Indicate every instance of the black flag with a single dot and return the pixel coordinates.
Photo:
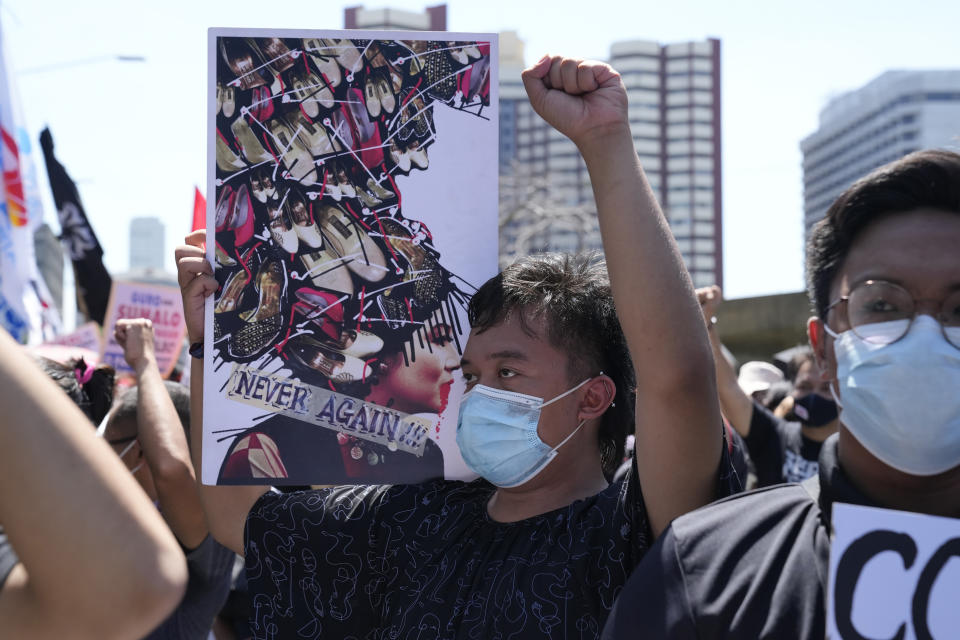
(79, 241)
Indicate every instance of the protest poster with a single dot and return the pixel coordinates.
(354, 213)
(162, 305)
(86, 336)
(84, 342)
(893, 574)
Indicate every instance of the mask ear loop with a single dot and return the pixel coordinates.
(568, 392)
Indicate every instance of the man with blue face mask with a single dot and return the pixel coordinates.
(557, 376)
(883, 271)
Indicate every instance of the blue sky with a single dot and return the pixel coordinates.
(133, 134)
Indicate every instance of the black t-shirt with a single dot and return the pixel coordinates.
(779, 450)
(8, 559)
(427, 561)
(752, 566)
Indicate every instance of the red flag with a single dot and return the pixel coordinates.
(199, 210)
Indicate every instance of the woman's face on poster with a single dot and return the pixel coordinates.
(422, 384)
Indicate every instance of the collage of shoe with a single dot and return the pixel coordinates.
(316, 262)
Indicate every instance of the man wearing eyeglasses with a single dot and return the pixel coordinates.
(884, 278)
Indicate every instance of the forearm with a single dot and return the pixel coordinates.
(89, 539)
(164, 445)
(678, 418)
(734, 403)
(226, 507)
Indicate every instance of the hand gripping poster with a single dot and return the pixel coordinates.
(355, 213)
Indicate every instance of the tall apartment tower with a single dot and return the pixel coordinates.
(431, 19)
(674, 94)
(896, 113)
(147, 246)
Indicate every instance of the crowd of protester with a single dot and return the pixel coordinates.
(613, 438)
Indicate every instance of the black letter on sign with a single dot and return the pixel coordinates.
(851, 564)
(921, 596)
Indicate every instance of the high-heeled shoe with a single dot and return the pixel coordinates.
(274, 52)
(323, 308)
(360, 344)
(242, 62)
(379, 190)
(229, 101)
(227, 159)
(313, 136)
(327, 271)
(222, 259)
(349, 240)
(232, 292)
(401, 241)
(371, 97)
(385, 94)
(224, 208)
(438, 72)
(242, 220)
(347, 55)
(262, 326)
(321, 358)
(324, 59)
(270, 283)
(343, 181)
(366, 134)
(400, 158)
(252, 150)
(281, 230)
(303, 223)
(297, 160)
(418, 155)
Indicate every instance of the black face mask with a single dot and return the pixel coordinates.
(813, 410)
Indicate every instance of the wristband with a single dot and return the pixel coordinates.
(196, 350)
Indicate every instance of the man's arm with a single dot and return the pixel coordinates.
(96, 559)
(678, 420)
(226, 507)
(734, 403)
(162, 437)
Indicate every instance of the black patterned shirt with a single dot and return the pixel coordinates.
(427, 561)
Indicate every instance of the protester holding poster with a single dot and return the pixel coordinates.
(883, 272)
(542, 545)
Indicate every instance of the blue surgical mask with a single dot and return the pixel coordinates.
(900, 400)
(497, 434)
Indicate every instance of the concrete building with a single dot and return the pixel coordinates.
(431, 19)
(147, 243)
(891, 116)
(674, 93)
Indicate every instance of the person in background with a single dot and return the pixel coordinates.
(756, 377)
(883, 272)
(146, 428)
(83, 554)
(542, 544)
(780, 449)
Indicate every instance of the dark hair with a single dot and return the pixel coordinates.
(126, 407)
(776, 393)
(94, 396)
(922, 179)
(572, 293)
(802, 355)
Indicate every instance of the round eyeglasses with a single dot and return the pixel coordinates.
(881, 312)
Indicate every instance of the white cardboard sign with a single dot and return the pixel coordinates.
(893, 574)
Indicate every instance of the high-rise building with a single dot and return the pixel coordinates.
(431, 19)
(147, 246)
(896, 113)
(674, 94)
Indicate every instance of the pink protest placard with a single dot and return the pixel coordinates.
(162, 305)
